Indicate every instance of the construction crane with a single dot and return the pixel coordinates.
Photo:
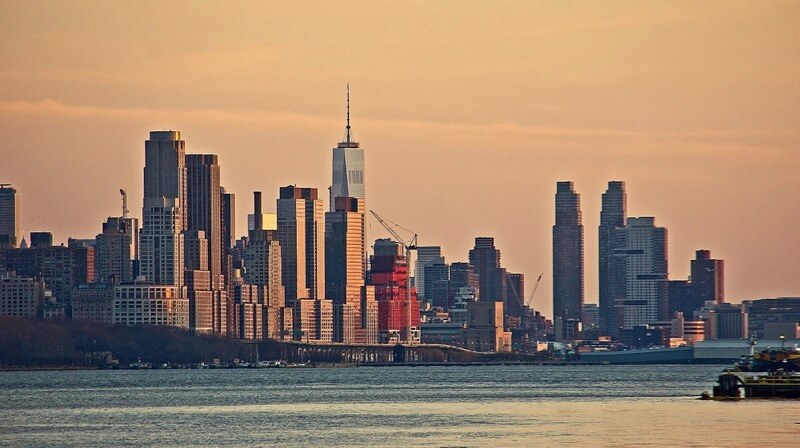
(408, 246)
(124, 203)
(530, 299)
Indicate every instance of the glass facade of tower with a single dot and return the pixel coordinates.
(568, 285)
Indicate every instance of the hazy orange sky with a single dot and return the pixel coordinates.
(469, 112)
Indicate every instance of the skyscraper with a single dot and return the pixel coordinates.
(164, 209)
(9, 217)
(484, 258)
(567, 254)
(262, 260)
(348, 166)
(116, 250)
(198, 279)
(301, 230)
(641, 270)
(204, 208)
(425, 255)
(708, 278)
(344, 265)
(612, 216)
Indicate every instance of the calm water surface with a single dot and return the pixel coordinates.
(392, 406)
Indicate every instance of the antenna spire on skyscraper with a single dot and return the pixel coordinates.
(347, 137)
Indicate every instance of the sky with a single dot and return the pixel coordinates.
(469, 113)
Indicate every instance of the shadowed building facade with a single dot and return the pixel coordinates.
(612, 216)
(567, 254)
(9, 217)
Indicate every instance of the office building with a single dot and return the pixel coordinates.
(344, 265)
(348, 166)
(774, 310)
(708, 279)
(301, 232)
(204, 209)
(22, 296)
(199, 284)
(164, 209)
(484, 258)
(10, 234)
(425, 255)
(116, 250)
(62, 268)
(641, 270)
(437, 283)
(143, 304)
(613, 215)
(94, 302)
(484, 331)
(567, 254)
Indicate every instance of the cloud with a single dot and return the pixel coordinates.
(704, 138)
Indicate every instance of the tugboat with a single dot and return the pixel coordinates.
(770, 373)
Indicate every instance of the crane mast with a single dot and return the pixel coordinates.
(408, 246)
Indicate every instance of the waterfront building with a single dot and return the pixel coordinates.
(94, 302)
(143, 304)
(731, 321)
(248, 313)
(779, 309)
(641, 270)
(370, 329)
(10, 233)
(484, 331)
(301, 230)
(567, 330)
(313, 320)
(23, 296)
(694, 331)
(163, 210)
(116, 250)
(62, 268)
(612, 216)
(568, 286)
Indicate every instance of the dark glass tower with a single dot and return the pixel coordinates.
(567, 254)
(613, 215)
(485, 258)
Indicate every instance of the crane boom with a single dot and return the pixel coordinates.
(408, 246)
(538, 281)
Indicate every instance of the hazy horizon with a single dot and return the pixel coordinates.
(474, 109)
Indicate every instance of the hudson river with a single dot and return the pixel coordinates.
(581, 406)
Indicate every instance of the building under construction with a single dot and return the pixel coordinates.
(398, 307)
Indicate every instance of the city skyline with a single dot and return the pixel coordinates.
(710, 172)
